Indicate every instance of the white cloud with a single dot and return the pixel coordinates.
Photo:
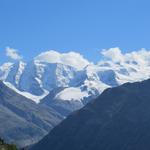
(13, 53)
(140, 57)
(71, 58)
(113, 54)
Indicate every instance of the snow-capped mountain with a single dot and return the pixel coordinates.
(37, 78)
(78, 82)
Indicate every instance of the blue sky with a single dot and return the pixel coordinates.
(84, 26)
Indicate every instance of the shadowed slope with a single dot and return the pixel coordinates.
(119, 119)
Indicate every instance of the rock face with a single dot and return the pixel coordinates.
(119, 119)
(22, 121)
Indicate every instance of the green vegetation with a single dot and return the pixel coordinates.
(5, 146)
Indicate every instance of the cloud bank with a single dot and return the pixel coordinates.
(12, 53)
(140, 57)
(71, 58)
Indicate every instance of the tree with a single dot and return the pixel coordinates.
(1, 141)
(5, 146)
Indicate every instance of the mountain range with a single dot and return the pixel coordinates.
(43, 93)
(73, 86)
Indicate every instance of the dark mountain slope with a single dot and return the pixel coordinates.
(21, 120)
(119, 119)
